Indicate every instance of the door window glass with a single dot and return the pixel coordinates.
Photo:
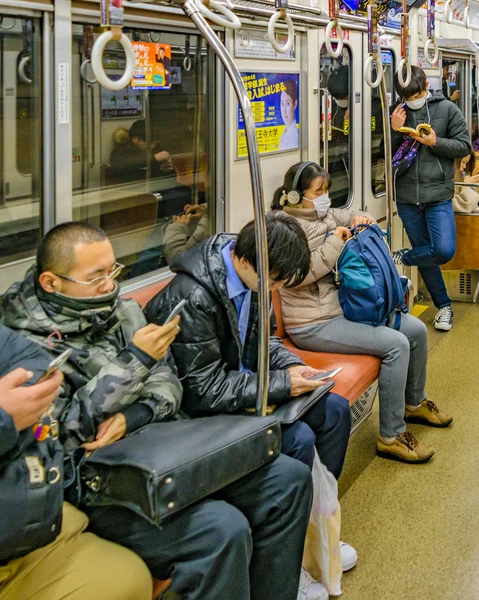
(377, 129)
(141, 157)
(336, 118)
(453, 73)
(20, 137)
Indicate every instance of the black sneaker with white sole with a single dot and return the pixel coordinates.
(397, 256)
(443, 319)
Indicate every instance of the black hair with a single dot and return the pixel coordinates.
(56, 251)
(308, 175)
(138, 130)
(291, 89)
(288, 250)
(416, 85)
(338, 82)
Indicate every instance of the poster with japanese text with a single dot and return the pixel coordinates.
(275, 101)
(153, 66)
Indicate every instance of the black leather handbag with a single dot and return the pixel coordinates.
(165, 467)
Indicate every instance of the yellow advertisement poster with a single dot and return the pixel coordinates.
(275, 102)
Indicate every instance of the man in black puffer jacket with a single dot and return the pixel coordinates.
(424, 190)
(216, 349)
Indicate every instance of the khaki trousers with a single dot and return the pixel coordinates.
(76, 566)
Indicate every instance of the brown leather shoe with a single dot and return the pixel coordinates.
(404, 448)
(428, 414)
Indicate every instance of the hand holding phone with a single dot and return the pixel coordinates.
(176, 311)
(56, 364)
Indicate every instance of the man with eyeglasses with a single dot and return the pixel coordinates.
(250, 536)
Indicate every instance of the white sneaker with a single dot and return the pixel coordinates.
(310, 589)
(349, 556)
(443, 319)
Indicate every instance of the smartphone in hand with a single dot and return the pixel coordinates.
(56, 363)
(326, 375)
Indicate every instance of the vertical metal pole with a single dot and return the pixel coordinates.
(197, 126)
(48, 117)
(146, 99)
(259, 209)
(388, 159)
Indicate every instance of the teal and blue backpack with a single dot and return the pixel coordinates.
(371, 291)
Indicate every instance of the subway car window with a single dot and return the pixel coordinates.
(336, 118)
(453, 74)
(377, 129)
(141, 154)
(20, 137)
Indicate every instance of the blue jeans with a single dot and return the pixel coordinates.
(325, 427)
(431, 229)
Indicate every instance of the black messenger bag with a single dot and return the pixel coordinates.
(164, 467)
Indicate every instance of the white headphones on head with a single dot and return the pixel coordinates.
(295, 196)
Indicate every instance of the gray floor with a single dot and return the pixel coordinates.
(416, 528)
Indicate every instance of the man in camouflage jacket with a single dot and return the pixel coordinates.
(107, 372)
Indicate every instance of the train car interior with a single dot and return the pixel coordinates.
(162, 157)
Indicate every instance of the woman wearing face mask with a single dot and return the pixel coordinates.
(424, 191)
(314, 320)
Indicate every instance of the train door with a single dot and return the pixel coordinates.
(340, 140)
(374, 187)
(143, 154)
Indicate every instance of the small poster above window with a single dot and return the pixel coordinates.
(254, 43)
(275, 101)
(153, 66)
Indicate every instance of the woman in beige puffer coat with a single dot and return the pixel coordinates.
(314, 320)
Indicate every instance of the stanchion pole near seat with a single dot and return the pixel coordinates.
(192, 10)
(112, 20)
(373, 49)
(431, 32)
(333, 25)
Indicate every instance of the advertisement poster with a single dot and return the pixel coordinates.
(275, 101)
(120, 104)
(153, 66)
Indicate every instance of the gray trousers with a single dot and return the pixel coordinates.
(403, 354)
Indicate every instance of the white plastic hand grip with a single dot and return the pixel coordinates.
(84, 72)
(272, 38)
(187, 63)
(97, 62)
(328, 39)
(404, 63)
(448, 11)
(231, 22)
(21, 70)
(467, 16)
(427, 49)
(368, 71)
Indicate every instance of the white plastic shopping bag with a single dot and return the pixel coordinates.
(322, 557)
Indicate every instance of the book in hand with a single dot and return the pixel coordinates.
(419, 129)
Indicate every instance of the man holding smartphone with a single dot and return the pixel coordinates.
(120, 377)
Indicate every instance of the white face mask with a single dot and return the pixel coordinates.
(321, 204)
(416, 104)
(342, 103)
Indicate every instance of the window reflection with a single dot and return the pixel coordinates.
(335, 77)
(20, 137)
(142, 166)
